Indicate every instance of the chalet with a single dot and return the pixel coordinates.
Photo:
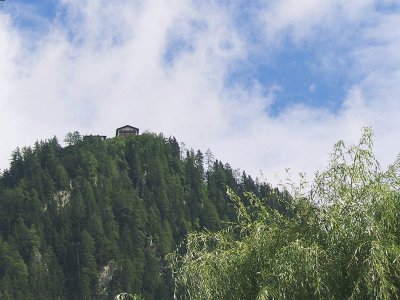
(127, 130)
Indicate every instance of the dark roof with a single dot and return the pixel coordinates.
(127, 126)
(95, 136)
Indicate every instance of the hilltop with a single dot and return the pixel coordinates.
(97, 217)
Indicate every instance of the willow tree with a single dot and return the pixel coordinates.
(338, 240)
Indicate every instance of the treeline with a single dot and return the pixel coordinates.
(97, 218)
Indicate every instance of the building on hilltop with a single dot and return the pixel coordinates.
(127, 130)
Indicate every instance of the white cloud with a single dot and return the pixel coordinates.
(10, 44)
(102, 65)
(300, 20)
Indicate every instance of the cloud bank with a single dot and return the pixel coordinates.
(95, 65)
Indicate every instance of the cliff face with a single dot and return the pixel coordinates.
(96, 218)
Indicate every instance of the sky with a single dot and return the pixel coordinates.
(265, 84)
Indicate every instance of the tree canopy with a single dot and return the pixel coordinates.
(338, 239)
(96, 218)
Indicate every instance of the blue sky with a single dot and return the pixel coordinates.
(264, 84)
(294, 68)
(300, 80)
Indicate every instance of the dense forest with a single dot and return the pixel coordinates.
(97, 218)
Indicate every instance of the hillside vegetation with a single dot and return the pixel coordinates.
(338, 239)
(97, 218)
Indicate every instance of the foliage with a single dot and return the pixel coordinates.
(73, 138)
(96, 218)
(338, 240)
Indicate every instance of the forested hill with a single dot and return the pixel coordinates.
(97, 217)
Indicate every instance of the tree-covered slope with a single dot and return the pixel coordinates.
(97, 217)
